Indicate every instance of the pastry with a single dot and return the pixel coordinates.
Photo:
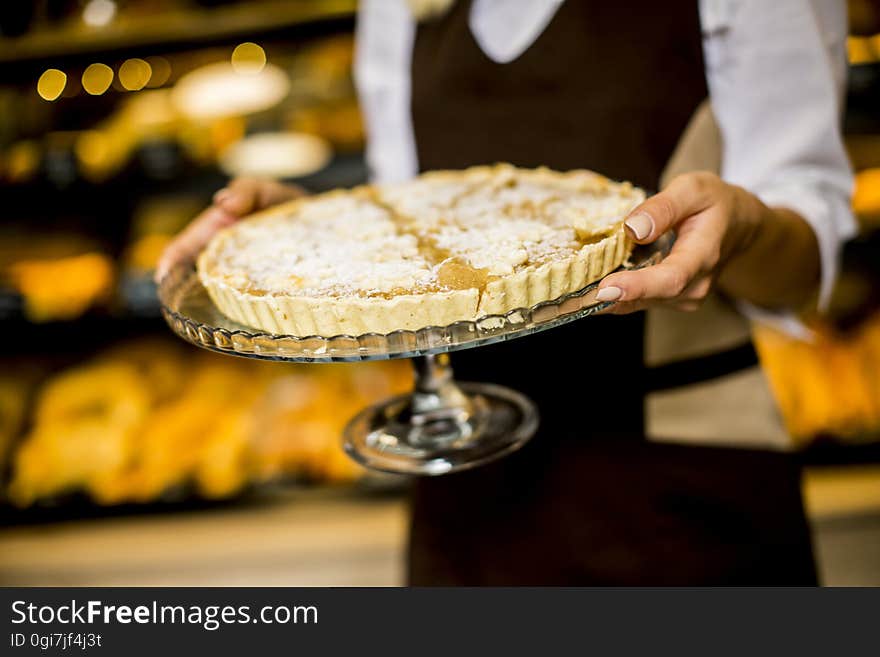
(445, 247)
(65, 288)
(84, 432)
(145, 421)
(13, 406)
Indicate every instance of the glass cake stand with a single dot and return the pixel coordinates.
(442, 426)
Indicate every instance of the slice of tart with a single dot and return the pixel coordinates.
(444, 247)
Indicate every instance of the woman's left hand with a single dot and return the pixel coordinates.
(713, 222)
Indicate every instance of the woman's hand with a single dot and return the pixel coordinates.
(725, 237)
(239, 198)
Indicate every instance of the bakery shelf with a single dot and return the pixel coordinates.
(77, 506)
(173, 27)
(863, 99)
(827, 451)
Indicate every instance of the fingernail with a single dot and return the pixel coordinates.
(609, 293)
(221, 195)
(640, 224)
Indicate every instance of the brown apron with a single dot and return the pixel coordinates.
(608, 86)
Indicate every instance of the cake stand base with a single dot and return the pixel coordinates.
(442, 426)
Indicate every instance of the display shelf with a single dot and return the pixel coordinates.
(135, 300)
(827, 451)
(76, 506)
(863, 99)
(75, 338)
(192, 26)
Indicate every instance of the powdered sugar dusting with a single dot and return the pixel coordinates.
(332, 246)
(393, 239)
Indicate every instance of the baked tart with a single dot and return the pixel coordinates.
(444, 247)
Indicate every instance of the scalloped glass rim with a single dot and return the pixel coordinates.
(192, 316)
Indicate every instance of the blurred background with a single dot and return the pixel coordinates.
(128, 457)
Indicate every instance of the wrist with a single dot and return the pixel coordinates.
(773, 259)
(747, 215)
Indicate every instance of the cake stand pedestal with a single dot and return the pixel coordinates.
(442, 426)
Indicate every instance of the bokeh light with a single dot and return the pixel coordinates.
(96, 79)
(98, 13)
(73, 87)
(93, 149)
(860, 50)
(218, 90)
(134, 74)
(51, 84)
(276, 155)
(248, 57)
(161, 71)
(22, 160)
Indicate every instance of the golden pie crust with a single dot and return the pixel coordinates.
(444, 247)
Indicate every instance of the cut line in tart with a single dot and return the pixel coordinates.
(445, 247)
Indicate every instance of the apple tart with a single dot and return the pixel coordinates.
(444, 247)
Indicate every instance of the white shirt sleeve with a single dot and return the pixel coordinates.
(776, 73)
(383, 56)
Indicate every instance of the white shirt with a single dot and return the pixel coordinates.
(775, 71)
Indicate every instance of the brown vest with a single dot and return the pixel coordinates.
(607, 86)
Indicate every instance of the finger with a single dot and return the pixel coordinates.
(698, 289)
(628, 307)
(665, 280)
(686, 306)
(694, 295)
(193, 239)
(689, 300)
(695, 253)
(624, 308)
(245, 195)
(685, 196)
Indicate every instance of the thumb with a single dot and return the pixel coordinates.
(685, 196)
(243, 196)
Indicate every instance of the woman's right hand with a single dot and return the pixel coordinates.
(238, 199)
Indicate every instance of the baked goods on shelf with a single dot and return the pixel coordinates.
(828, 386)
(866, 198)
(63, 288)
(13, 402)
(149, 418)
(59, 275)
(445, 247)
(84, 423)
